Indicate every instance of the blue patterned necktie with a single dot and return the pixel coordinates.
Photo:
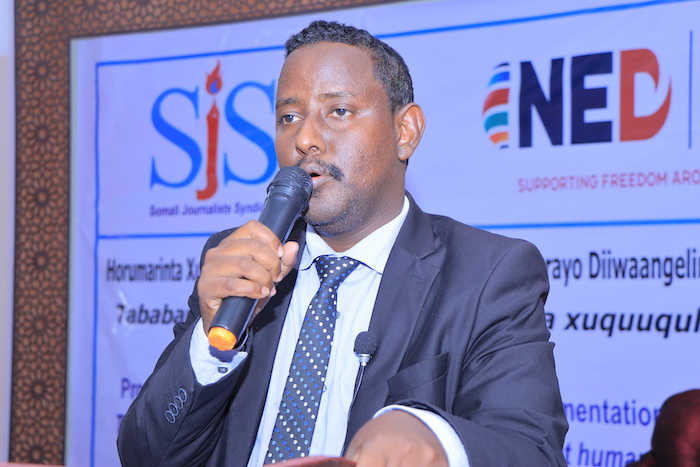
(294, 427)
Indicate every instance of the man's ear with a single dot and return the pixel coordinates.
(411, 123)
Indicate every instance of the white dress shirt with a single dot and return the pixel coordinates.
(356, 297)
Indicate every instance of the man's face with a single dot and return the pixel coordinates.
(334, 121)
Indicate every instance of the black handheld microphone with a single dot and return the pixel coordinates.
(287, 198)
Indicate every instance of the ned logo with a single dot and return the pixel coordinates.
(510, 107)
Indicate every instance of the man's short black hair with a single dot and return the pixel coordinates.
(389, 67)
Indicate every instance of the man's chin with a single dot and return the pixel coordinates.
(319, 212)
(325, 225)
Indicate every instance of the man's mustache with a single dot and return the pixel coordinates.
(321, 167)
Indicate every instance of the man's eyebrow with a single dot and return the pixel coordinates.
(322, 97)
(286, 101)
(334, 95)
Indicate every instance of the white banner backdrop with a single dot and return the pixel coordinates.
(572, 128)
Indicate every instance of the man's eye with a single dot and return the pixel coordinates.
(287, 118)
(341, 112)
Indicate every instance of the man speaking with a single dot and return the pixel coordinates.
(461, 371)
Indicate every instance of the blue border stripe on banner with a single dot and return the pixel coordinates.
(528, 19)
(192, 56)
(540, 225)
(565, 225)
(95, 285)
(156, 235)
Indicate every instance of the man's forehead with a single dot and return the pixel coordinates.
(327, 52)
(327, 70)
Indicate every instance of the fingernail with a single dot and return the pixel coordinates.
(265, 291)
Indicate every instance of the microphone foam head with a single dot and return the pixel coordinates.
(365, 343)
(294, 177)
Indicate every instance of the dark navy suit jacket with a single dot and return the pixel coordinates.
(459, 317)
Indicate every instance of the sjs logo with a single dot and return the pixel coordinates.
(545, 97)
(216, 164)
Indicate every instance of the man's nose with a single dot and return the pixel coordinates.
(310, 138)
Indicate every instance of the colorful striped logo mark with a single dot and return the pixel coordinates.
(495, 111)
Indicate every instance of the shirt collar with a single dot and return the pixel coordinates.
(373, 250)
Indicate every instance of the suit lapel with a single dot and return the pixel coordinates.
(408, 276)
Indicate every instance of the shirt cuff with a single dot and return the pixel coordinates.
(209, 364)
(451, 443)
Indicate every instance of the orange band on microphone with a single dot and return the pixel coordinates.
(222, 339)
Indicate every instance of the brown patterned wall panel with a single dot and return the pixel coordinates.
(43, 29)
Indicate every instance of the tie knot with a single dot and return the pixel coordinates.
(333, 270)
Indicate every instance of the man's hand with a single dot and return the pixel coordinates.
(247, 263)
(396, 438)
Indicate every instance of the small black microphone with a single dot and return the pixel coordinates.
(287, 198)
(365, 346)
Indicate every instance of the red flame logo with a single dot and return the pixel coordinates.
(214, 81)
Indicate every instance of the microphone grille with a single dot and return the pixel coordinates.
(365, 343)
(293, 177)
